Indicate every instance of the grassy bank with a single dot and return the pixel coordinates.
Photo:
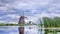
(14, 24)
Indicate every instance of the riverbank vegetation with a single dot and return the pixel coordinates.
(51, 22)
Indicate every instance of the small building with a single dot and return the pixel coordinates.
(30, 22)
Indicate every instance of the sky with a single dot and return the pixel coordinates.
(11, 10)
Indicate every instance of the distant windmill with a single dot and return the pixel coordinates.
(21, 19)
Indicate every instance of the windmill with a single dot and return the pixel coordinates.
(21, 19)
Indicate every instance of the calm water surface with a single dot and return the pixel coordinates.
(22, 30)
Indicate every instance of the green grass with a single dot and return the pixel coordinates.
(14, 24)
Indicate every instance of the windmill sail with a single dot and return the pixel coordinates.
(21, 19)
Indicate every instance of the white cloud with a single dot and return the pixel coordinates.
(26, 4)
(13, 16)
(53, 9)
(1, 21)
(11, 22)
(52, 6)
(3, 9)
(30, 4)
(31, 18)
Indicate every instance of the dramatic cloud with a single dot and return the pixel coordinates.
(10, 10)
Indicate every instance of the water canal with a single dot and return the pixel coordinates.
(26, 30)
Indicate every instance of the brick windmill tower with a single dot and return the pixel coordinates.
(21, 19)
